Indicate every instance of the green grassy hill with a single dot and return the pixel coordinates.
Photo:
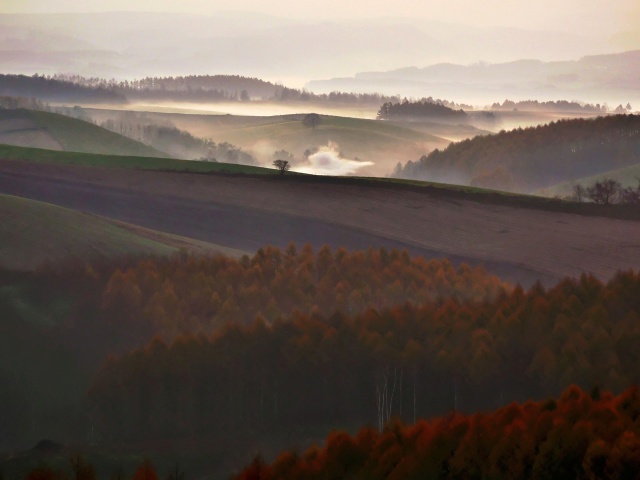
(30, 128)
(32, 233)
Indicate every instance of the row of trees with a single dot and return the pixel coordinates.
(418, 109)
(554, 106)
(592, 436)
(606, 192)
(407, 361)
(53, 90)
(529, 159)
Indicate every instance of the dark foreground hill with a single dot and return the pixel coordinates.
(518, 242)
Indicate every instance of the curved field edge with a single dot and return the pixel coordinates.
(33, 233)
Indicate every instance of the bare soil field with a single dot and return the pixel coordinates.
(246, 212)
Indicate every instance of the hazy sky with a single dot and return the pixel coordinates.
(606, 16)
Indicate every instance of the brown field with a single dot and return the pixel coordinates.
(245, 212)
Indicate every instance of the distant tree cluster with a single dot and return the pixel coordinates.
(536, 157)
(577, 436)
(418, 109)
(187, 88)
(216, 88)
(551, 106)
(408, 361)
(54, 90)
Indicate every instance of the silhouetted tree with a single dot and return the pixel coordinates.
(282, 165)
(604, 192)
(311, 120)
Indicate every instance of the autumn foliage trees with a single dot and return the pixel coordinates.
(178, 296)
(578, 436)
(220, 351)
(330, 370)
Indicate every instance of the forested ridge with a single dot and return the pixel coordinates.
(55, 90)
(87, 311)
(409, 361)
(528, 159)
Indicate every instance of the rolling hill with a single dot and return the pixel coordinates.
(31, 128)
(383, 143)
(520, 240)
(32, 233)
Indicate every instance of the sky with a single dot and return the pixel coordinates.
(606, 16)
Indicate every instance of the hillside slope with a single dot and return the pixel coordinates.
(33, 232)
(31, 128)
(383, 143)
(246, 212)
(534, 158)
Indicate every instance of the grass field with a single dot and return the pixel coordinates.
(148, 163)
(69, 234)
(58, 132)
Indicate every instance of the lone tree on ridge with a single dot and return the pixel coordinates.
(311, 120)
(282, 165)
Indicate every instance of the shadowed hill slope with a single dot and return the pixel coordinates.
(30, 128)
(32, 233)
(526, 160)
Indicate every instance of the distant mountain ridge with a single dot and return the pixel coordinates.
(268, 46)
(594, 75)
